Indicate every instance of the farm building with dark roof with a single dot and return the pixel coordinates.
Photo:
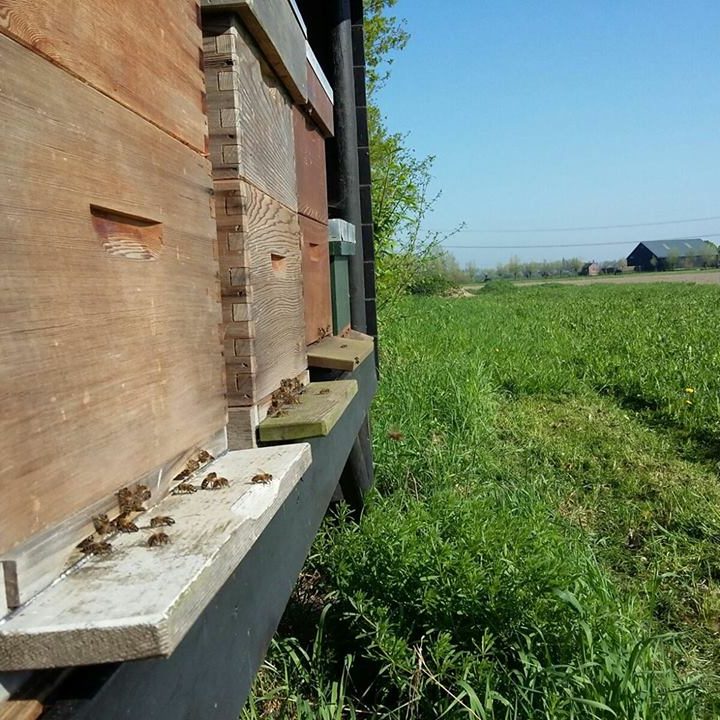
(671, 254)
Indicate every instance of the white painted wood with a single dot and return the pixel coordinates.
(139, 602)
(35, 564)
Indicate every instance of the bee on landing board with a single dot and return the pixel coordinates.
(90, 547)
(261, 478)
(124, 523)
(213, 482)
(102, 524)
(161, 521)
(205, 456)
(183, 489)
(158, 538)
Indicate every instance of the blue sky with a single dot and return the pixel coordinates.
(560, 113)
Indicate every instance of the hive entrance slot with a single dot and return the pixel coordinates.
(279, 262)
(127, 236)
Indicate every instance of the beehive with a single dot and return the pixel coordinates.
(111, 358)
(252, 149)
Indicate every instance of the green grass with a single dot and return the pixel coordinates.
(543, 539)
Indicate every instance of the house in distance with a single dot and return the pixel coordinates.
(672, 254)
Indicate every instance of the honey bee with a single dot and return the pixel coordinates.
(86, 543)
(181, 476)
(205, 456)
(102, 524)
(124, 523)
(142, 493)
(90, 547)
(161, 521)
(396, 435)
(192, 465)
(183, 489)
(344, 345)
(125, 499)
(357, 359)
(261, 478)
(213, 482)
(158, 538)
(324, 332)
(324, 391)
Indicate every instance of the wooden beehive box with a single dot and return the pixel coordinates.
(252, 150)
(313, 216)
(111, 357)
(312, 124)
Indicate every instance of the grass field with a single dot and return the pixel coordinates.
(544, 538)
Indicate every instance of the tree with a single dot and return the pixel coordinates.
(401, 180)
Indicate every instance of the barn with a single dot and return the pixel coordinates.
(672, 254)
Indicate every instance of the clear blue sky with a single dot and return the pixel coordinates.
(563, 113)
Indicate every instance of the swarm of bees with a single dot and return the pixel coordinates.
(132, 500)
(288, 393)
(213, 482)
(261, 478)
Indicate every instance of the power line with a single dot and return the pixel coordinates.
(585, 227)
(567, 245)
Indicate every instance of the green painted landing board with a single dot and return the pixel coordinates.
(339, 353)
(320, 407)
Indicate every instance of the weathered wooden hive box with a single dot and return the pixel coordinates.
(269, 170)
(110, 350)
(312, 124)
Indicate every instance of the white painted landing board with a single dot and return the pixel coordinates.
(139, 602)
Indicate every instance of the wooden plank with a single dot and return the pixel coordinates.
(312, 199)
(339, 353)
(139, 602)
(144, 55)
(270, 240)
(320, 104)
(320, 407)
(276, 30)
(31, 566)
(106, 361)
(30, 702)
(210, 673)
(316, 279)
(251, 129)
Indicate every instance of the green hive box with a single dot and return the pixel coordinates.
(342, 246)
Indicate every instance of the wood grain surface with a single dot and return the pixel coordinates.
(320, 104)
(310, 168)
(109, 366)
(144, 55)
(250, 115)
(316, 279)
(257, 232)
(340, 353)
(320, 407)
(138, 601)
(280, 35)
